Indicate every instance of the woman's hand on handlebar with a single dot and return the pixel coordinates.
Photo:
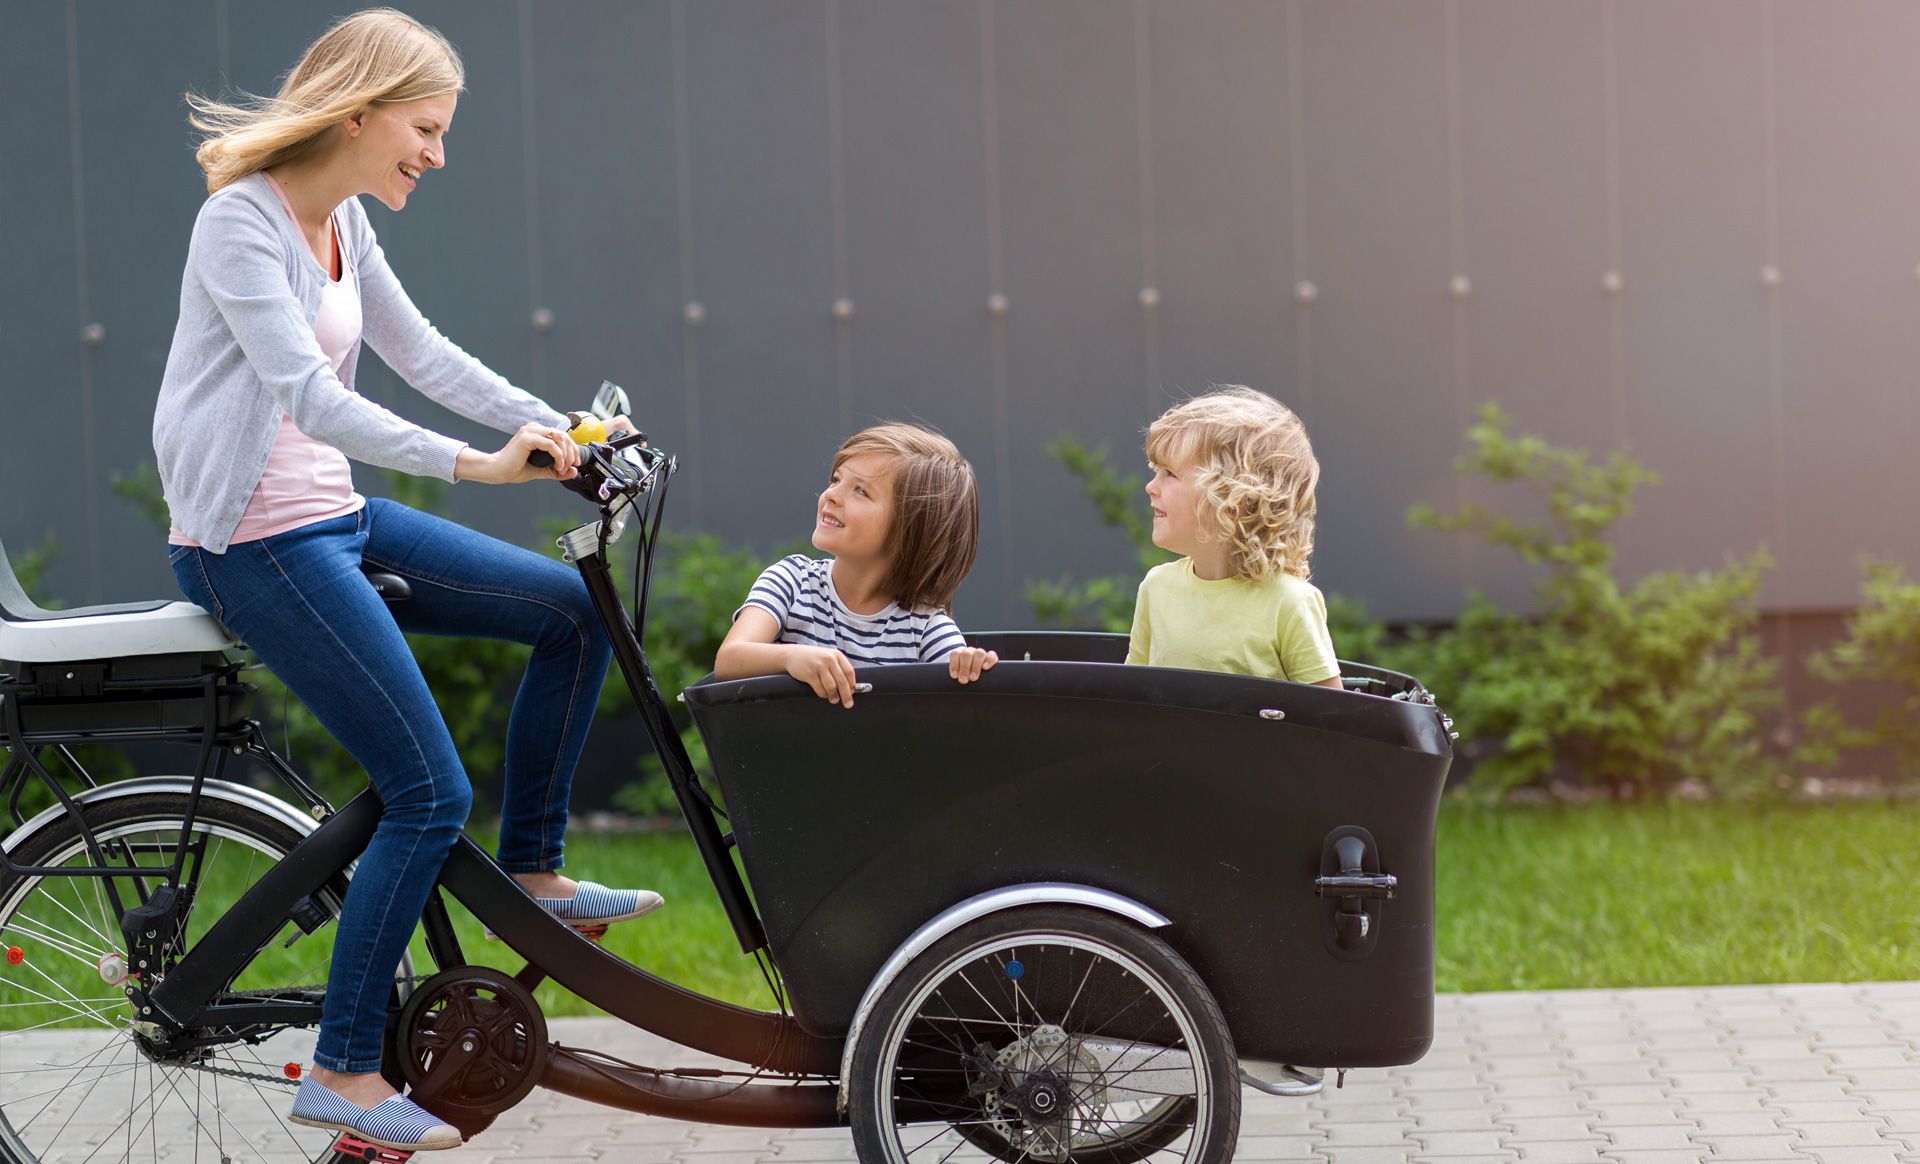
(510, 465)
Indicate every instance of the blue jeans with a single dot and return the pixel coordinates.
(300, 601)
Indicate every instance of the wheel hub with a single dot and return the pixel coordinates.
(1042, 1099)
(1046, 1087)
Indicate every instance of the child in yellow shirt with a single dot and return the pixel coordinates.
(1233, 490)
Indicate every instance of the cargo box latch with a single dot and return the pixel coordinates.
(1355, 891)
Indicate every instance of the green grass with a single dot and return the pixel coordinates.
(1527, 899)
(688, 941)
(1676, 895)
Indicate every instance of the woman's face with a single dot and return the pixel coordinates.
(393, 145)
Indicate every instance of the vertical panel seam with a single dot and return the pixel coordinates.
(1297, 185)
(1616, 311)
(1776, 382)
(1143, 137)
(84, 303)
(683, 187)
(223, 40)
(837, 201)
(996, 321)
(530, 158)
(1462, 334)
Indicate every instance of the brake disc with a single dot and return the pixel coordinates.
(1048, 1088)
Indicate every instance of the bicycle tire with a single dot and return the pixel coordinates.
(78, 1074)
(1040, 999)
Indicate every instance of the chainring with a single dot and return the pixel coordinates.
(478, 1011)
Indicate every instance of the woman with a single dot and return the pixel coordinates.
(255, 424)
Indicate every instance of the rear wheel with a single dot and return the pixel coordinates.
(1047, 1034)
(82, 1076)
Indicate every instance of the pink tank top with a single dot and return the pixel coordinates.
(305, 480)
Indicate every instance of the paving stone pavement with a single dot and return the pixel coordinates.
(1820, 1074)
(1826, 1074)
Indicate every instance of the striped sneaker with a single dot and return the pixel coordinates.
(396, 1123)
(593, 907)
(596, 905)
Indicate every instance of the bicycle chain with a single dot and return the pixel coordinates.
(278, 1080)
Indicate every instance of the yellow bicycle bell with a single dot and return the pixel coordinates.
(586, 428)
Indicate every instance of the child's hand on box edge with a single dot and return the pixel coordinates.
(824, 669)
(969, 663)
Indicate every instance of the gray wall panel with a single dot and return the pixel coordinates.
(1694, 241)
(845, 148)
(41, 488)
(1534, 224)
(762, 261)
(138, 173)
(1383, 401)
(1849, 238)
(462, 246)
(1069, 192)
(918, 347)
(611, 193)
(1219, 122)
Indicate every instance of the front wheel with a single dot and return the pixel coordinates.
(1048, 1034)
(85, 1077)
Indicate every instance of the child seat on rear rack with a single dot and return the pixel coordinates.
(123, 670)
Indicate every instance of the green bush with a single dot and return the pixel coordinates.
(1628, 687)
(698, 582)
(1625, 687)
(1880, 647)
(1100, 603)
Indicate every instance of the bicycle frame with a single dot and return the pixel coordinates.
(190, 996)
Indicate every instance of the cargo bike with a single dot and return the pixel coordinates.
(1064, 913)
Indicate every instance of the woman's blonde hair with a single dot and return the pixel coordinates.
(1253, 470)
(935, 529)
(374, 57)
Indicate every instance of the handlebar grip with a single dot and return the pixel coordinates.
(540, 459)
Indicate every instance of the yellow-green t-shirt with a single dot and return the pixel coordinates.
(1273, 627)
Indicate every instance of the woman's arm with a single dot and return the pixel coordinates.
(428, 361)
(239, 260)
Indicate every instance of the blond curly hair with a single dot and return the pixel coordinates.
(1249, 460)
(377, 56)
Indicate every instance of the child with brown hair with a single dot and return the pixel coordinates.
(900, 518)
(1233, 490)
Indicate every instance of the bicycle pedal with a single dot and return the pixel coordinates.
(350, 1145)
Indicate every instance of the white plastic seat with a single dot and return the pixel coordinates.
(30, 633)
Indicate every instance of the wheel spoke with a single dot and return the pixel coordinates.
(52, 1093)
(60, 943)
(141, 1088)
(1101, 1040)
(53, 899)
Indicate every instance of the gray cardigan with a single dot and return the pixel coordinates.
(244, 352)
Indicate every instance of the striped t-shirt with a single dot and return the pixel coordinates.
(798, 592)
